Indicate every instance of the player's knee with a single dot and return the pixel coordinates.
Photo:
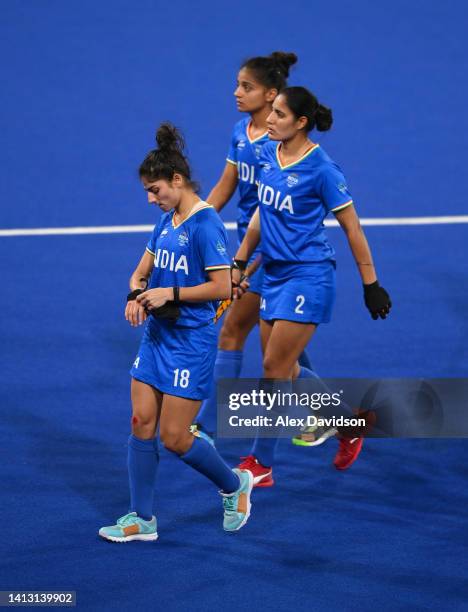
(175, 440)
(274, 367)
(228, 331)
(270, 364)
(231, 337)
(143, 425)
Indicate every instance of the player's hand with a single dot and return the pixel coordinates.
(240, 284)
(155, 298)
(135, 313)
(377, 300)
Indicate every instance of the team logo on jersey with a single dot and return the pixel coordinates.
(292, 180)
(241, 144)
(258, 150)
(342, 187)
(164, 232)
(183, 239)
(220, 248)
(266, 167)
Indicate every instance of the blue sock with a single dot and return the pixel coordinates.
(264, 449)
(143, 460)
(205, 459)
(307, 373)
(311, 373)
(304, 360)
(228, 365)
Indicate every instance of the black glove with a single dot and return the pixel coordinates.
(169, 310)
(377, 300)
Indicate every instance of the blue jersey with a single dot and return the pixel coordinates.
(294, 201)
(185, 253)
(245, 154)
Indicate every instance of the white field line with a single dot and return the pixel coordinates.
(230, 225)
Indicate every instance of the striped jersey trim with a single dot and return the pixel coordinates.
(306, 154)
(341, 206)
(150, 251)
(218, 267)
(230, 161)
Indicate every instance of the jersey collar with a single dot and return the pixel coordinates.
(306, 154)
(255, 139)
(199, 206)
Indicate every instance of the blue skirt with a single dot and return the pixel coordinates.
(177, 360)
(304, 293)
(256, 280)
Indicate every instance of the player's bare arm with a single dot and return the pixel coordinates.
(251, 239)
(224, 189)
(135, 313)
(140, 276)
(349, 221)
(376, 298)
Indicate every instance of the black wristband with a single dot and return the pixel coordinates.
(133, 294)
(175, 289)
(239, 264)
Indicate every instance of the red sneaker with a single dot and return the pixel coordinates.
(348, 452)
(262, 476)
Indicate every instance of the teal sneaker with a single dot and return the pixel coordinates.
(196, 430)
(237, 505)
(130, 527)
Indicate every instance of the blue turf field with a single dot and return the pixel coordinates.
(87, 84)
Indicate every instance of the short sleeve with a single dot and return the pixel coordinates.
(334, 190)
(212, 246)
(232, 153)
(151, 246)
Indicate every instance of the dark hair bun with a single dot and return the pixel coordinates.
(283, 61)
(168, 138)
(323, 118)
